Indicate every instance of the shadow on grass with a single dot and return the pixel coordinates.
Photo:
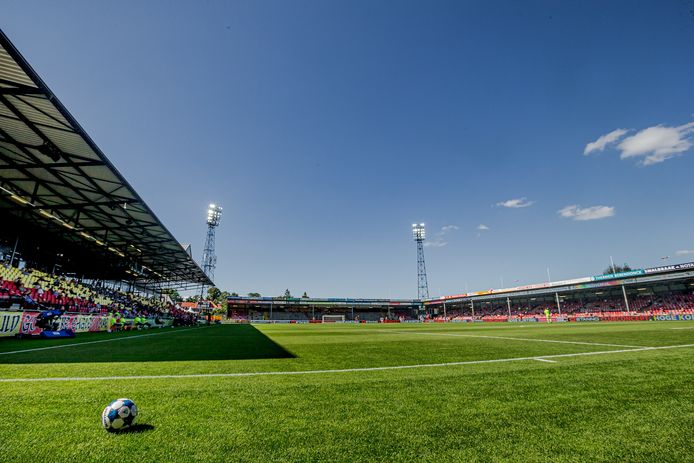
(136, 429)
(217, 342)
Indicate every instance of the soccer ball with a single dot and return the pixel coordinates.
(119, 414)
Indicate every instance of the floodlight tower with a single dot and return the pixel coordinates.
(419, 235)
(209, 259)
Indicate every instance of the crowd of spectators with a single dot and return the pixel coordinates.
(643, 305)
(681, 303)
(304, 314)
(33, 289)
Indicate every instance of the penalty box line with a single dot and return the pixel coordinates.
(77, 344)
(540, 358)
(460, 335)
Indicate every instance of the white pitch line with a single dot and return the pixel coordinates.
(515, 339)
(545, 360)
(76, 344)
(343, 370)
(683, 328)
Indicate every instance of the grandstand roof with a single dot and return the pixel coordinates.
(53, 176)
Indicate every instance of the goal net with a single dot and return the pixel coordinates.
(333, 318)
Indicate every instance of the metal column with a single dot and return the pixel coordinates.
(558, 305)
(626, 300)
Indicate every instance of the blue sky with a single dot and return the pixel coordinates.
(326, 128)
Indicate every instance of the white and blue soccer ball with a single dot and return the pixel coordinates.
(119, 414)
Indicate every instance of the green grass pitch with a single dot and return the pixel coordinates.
(342, 393)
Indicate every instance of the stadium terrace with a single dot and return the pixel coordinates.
(639, 294)
(93, 255)
(632, 292)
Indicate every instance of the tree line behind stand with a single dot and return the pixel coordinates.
(218, 296)
(617, 269)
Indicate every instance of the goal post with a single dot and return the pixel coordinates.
(333, 318)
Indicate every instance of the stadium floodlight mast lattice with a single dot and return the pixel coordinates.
(209, 258)
(419, 235)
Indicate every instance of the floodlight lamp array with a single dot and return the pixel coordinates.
(418, 231)
(214, 214)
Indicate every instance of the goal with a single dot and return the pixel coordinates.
(333, 318)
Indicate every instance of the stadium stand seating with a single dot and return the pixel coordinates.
(683, 303)
(640, 305)
(31, 288)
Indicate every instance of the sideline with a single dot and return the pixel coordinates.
(343, 370)
(123, 338)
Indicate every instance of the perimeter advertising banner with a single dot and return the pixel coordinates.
(670, 268)
(522, 319)
(680, 317)
(12, 323)
(9, 323)
(610, 276)
(587, 319)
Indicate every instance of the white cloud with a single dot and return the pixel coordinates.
(435, 243)
(575, 212)
(685, 252)
(657, 144)
(516, 203)
(481, 228)
(602, 142)
(447, 228)
(651, 145)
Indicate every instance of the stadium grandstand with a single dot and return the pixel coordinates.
(637, 294)
(265, 309)
(75, 236)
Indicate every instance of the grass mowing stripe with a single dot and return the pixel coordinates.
(344, 370)
(73, 344)
(514, 339)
